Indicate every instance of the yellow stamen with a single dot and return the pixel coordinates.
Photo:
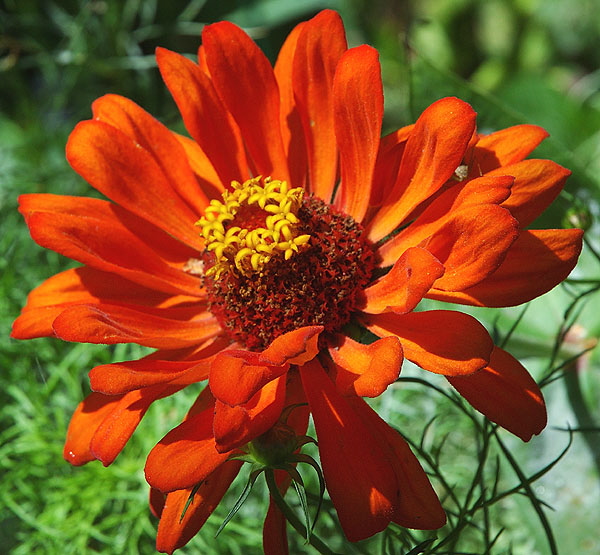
(248, 251)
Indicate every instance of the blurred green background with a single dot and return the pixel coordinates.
(515, 61)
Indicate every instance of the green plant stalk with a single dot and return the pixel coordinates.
(291, 516)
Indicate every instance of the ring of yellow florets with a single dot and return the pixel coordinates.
(266, 210)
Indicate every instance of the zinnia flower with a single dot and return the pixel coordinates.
(257, 253)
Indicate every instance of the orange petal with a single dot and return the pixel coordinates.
(366, 370)
(186, 455)
(202, 167)
(403, 287)
(88, 415)
(110, 324)
(244, 80)
(115, 430)
(391, 148)
(237, 375)
(537, 184)
(505, 393)
(122, 377)
(506, 146)
(156, 501)
(433, 152)
(87, 285)
(36, 322)
(418, 505)
(125, 172)
(360, 480)
(158, 141)
(236, 426)
(102, 424)
(472, 245)
(292, 133)
(358, 113)
(275, 540)
(320, 45)
(175, 530)
(98, 233)
(82, 286)
(536, 262)
(440, 341)
(294, 347)
(204, 115)
(477, 192)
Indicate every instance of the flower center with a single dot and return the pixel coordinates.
(278, 260)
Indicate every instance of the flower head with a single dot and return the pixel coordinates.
(256, 253)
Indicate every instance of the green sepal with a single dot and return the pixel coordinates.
(244, 458)
(300, 491)
(190, 499)
(254, 473)
(303, 440)
(288, 410)
(307, 459)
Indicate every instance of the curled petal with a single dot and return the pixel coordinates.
(175, 530)
(117, 378)
(360, 480)
(367, 370)
(472, 245)
(403, 287)
(474, 195)
(116, 429)
(85, 421)
(294, 347)
(156, 501)
(536, 262)
(505, 393)
(237, 375)
(434, 150)
(186, 456)
(236, 426)
(102, 424)
(440, 341)
(537, 184)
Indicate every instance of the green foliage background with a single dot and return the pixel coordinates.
(515, 61)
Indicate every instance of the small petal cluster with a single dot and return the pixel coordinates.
(350, 231)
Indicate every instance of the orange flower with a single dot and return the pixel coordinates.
(253, 254)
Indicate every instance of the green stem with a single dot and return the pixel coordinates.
(526, 484)
(291, 516)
